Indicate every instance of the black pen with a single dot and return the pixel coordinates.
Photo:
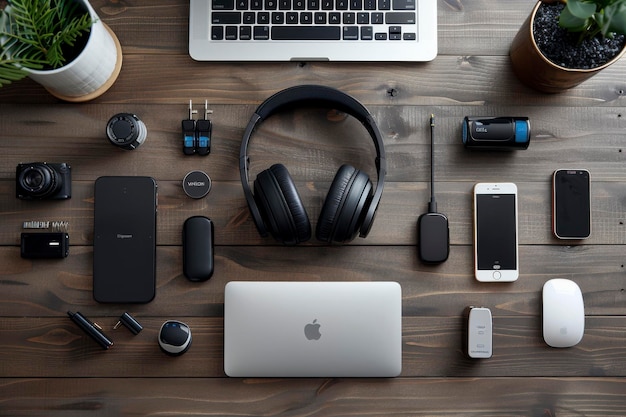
(92, 329)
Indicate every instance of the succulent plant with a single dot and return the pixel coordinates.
(593, 17)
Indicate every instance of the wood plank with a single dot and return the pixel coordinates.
(395, 223)
(432, 347)
(96, 397)
(313, 143)
(48, 288)
(382, 83)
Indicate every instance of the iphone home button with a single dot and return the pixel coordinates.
(497, 275)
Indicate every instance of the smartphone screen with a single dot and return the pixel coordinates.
(496, 257)
(571, 210)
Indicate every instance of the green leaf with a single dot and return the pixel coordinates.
(581, 9)
(617, 21)
(571, 22)
(38, 32)
(10, 72)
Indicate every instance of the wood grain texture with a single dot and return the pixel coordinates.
(519, 349)
(539, 397)
(50, 287)
(48, 367)
(399, 207)
(476, 80)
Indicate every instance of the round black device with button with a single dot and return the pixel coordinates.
(174, 337)
(197, 184)
(126, 131)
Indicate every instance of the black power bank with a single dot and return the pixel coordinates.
(198, 248)
(124, 244)
(45, 245)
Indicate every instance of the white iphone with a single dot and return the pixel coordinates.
(495, 232)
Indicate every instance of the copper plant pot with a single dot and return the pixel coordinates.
(538, 72)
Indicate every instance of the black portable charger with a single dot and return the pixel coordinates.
(45, 245)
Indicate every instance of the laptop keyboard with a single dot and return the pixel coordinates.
(283, 20)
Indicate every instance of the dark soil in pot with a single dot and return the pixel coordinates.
(564, 48)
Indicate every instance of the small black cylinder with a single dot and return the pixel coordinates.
(496, 133)
(126, 131)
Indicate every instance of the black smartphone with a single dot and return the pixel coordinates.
(124, 244)
(571, 203)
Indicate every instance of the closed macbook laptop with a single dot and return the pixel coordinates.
(312, 329)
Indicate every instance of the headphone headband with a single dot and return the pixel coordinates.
(321, 96)
(313, 95)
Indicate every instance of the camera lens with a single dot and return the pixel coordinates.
(33, 179)
(39, 180)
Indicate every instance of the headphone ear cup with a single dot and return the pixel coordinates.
(280, 206)
(346, 203)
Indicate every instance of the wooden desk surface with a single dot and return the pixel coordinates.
(48, 367)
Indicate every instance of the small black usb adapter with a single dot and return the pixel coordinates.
(45, 245)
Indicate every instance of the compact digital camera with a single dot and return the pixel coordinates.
(42, 180)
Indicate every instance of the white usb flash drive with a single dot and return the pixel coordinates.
(479, 333)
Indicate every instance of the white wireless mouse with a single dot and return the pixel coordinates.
(563, 313)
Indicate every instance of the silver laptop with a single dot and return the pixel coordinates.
(312, 329)
(313, 30)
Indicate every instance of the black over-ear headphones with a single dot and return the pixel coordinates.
(350, 205)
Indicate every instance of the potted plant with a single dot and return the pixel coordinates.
(61, 44)
(564, 42)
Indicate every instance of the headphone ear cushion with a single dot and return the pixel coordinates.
(342, 213)
(281, 206)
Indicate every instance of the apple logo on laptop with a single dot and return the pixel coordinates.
(312, 330)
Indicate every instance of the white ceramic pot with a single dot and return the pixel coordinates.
(92, 72)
